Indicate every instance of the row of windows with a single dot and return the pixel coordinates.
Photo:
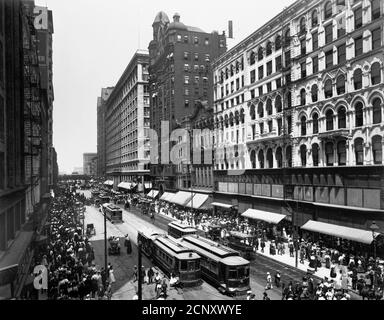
(195, 40)
(187, 55)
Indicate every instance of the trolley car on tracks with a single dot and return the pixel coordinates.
(178, 230)
(171, 257)
(113, 213)
(220, 265)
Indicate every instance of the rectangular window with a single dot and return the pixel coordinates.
(237, 84)
(375, 9)
(261, 72)
(270, 126)
(261, 91)
(287, 59)
(269, 86)
(376, 38)
(329, 33)
(253, 76)
(303, 47)
(252, 94)
(358, 13)
(269, 68)
(278, 83)
(315, 41)
(315, 64)
(242, 81)
(341, 56)
(329, 59)
(358, 46)
(278, 63)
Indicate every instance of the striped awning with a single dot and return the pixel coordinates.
(266, 216)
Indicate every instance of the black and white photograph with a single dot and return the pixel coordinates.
(210, 152)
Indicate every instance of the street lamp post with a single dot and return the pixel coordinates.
(105, 243)
(140, 274)
(374, 228)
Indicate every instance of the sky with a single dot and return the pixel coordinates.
(94, 41)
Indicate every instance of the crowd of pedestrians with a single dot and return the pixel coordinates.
(68, 256)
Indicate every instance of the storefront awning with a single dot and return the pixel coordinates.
(125, 185)
(198, 200)
(152, 194)
(181, 198)
(266, 216)
(222, 205)
(108, 182)
(358, 235)
(167, 196)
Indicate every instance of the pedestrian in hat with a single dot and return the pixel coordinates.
(269, 282)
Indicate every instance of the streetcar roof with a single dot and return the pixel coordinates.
(112, 207)
(216, 253)
(172, 244)
(182, 227)
(235, 261)
(241, 235)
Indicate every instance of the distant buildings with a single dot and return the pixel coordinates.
(101, 151)
(26, 96)
(78, 170)
(181, 80)
(90, 164)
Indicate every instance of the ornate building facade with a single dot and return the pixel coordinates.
(299, 111)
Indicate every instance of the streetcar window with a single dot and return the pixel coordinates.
(191, 265)
(197, 264)
(214, 267)
(247, 272)
(232, 274)
(183, 265)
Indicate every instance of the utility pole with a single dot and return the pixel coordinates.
(105, 243)
(140, 274)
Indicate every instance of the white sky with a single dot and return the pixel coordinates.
(94, 41)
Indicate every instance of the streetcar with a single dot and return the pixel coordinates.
(113, 213)
(221, 266)
(240, 242)
(171, 257)
(104, 198)
(178, 230)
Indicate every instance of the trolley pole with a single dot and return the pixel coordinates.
(140, 274)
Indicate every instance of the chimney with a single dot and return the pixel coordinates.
(176, 17)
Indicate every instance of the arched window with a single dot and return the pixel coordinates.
(315, 18)
(303, 155)
(342, 153)
(261, 159)
(242, 115)
(260, 110)
(279, 157)
(358, 79)
(377, 151)
(252, 58)
(287, 36)
(252, 112)
(328, 10)
(328, 89)
(314, 93)
(269, 48)
(303, 28)
(231, 119)
(341, 118)
(260, 54)
(340, 84)
(288, 156)
(302, 97)
(359, 151)
(375, 73)
(329, 120)
(377, 111)
(315, 125)
(359, 117)
(253, 159)
(269, 107)
(270, 158)
(303, 122)
(315, 154)
(278, 42)
(226, 121)
(375, 9)
(278, 105)
(237, 118)
(329, 154)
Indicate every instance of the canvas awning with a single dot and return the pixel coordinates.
(353, 234)
(266, 216)
(153, 193)
(108, 182)
(181, 198)
(222, 205)
(167, 196)
(198, 200)
(125, 185)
